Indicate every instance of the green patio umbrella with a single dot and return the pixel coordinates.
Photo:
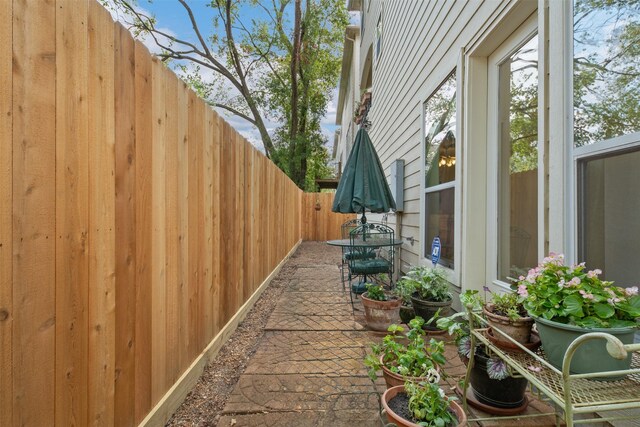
(363, 185)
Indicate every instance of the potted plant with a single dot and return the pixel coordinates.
(568, 301)
(491, 384)
(401, 362)
(432, 294)
(422, 404)
(381, 308)
(404, 290)
(506, 313)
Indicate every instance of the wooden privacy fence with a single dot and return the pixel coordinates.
(318, 222)
(134, 222)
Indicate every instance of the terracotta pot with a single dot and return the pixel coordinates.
(427, 309)
(381, 314)
(401, 422)
(519, 329)
(392, 379)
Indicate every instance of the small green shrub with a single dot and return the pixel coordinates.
(429, 283)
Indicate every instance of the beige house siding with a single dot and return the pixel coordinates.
(422, 43)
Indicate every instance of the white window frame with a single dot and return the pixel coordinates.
(453, 274)
(524, 33)
(575, 155)
(378, 39)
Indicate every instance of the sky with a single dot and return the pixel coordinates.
(172, 18)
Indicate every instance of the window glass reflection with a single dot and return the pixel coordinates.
(606, 69)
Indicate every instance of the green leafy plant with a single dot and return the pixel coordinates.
(404, 289)
(376, 292)
(412, 360)
(577, 296)
(429, 283)
(507, 304)
(429, 405)
(457, 325)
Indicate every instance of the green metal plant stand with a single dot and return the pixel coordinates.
(572, 394)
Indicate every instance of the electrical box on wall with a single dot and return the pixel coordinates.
(396, 182)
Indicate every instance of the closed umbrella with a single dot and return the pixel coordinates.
(363, 184)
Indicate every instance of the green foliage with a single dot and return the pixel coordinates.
(429, 405)
(404, 289)
(507, 304)
(457, 325)
(430, 283)
(376, 292)
(259, 69)
(412, 360)
(572, 295)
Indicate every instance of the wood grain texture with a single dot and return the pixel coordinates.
(207, 231)
(215, 223)
(183, 220)
(125, 223)
(173, 208)
(6, 229)
(102, 249)
(195, 233)
(144, 230)
(159, 234)
(34, 204)
(135, 224)
(72, 216)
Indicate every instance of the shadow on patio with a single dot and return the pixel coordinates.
(307, 367)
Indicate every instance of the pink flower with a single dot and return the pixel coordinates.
(631, 291)
(522, 290)
(574, 282)
(586, 295)
(534, 368)
(613, 301)
(561, 284)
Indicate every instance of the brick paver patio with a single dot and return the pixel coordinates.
(308, 368)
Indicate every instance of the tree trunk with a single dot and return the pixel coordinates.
(294, 165)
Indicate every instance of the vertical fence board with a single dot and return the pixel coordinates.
(144, 229)
(183, 202)
(125, 219)
(158, 238)
(248, 283)
(207, 234)
(240, 146)
(173, 231)
(101, 128)
(6, 195)
(34, 204)
(6, 198)
(215, 219)
(72, 195)
(194, 231)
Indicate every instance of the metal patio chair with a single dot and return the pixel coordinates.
(371, 255)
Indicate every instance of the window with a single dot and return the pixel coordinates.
(608, 215)
(378, 37)
(439, 169)
(518, 161)
(606, 70)
(606, 136)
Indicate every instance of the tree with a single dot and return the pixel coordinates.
(265, 69)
